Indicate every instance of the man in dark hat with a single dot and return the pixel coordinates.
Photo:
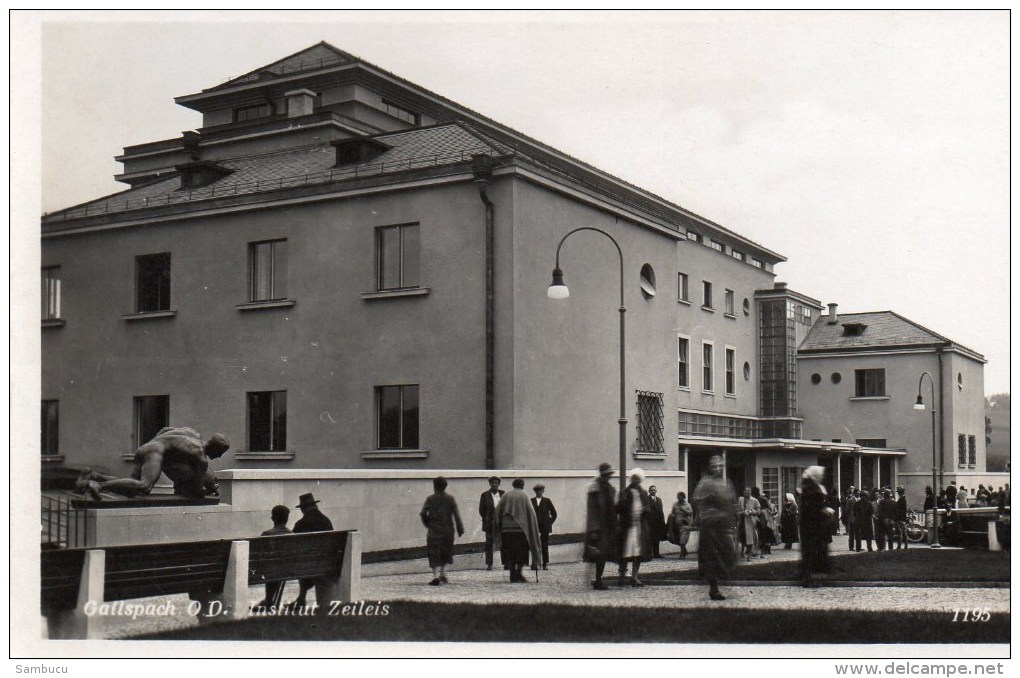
(312, 520)
(274, 589)
(599, 545)
(546, 513)
(487, 510)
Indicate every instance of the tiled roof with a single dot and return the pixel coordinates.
(883, 329)
(412, 149)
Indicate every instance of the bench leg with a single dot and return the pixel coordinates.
(75, 624)
(993, 537)
(230, 604)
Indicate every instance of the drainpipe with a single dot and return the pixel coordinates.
(942, 422)
(481, 167)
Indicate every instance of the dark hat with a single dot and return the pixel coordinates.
(496, 478)
(307, 501)
(540, 486)
(606, 468)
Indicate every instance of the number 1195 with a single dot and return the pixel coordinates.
(975, 615)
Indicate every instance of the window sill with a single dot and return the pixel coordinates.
(684, 388)
(263, 456)
(148, 315)
(269, 303)
(395, 294)
(52, 322)
(704, 392)
(731, 395)
(685, 302)
(731, 316)
(649, 455)
(395, 454)
(708, 308)
(52, 458)
(868, 398)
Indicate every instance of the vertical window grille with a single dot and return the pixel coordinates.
(267, 270)
(971, 451)
(961, 449)
(650, 424)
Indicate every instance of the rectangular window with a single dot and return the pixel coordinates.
(757, 263)
(50, 428)
(649, 424)
(716, 245)
(683, 358)
(402, 113)
(397, 417)
(267, 270)
(971, 450)
(770, 485)
(691, 235)
(397, 257)
(51, 293)
(682, 292)
(152, 413)
(729, 303)
(869, 383)
(267, 421)
(152, 282)
(706, 367)
(737, 255)
(731, 381)
(791, 479)
(961, 450)
(707, 290)
(253, 112)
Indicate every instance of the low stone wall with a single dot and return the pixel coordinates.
(382, 505)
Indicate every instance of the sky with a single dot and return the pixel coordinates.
(869, 148)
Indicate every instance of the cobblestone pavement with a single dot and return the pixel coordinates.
(568, 584)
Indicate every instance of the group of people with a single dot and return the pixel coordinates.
(875, 515)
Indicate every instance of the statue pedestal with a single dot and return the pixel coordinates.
(144, 501)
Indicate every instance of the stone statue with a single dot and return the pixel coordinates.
(177, 452)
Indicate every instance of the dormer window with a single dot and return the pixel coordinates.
(853, 329)
(201, 173)
(358, 150)
(253, 112)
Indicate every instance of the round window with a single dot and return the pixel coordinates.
(647, 281)
(836, 377)
(747, 306)
(747, 371)
(816, 378)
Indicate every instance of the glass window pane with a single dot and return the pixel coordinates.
(259, 422)
(410, 417)
(411, 249)
(389, 417)
(261, 271)
(279, 426)
(389, 258)
(279, 281)
(153, 282)
(152, 413)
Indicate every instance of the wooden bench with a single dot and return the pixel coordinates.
(978, 524)
(215, 574)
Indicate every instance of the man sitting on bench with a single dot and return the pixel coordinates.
(177, 452)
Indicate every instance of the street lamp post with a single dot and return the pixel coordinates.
(919, 405)
(558, 290)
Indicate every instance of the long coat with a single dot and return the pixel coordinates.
(624, 509)
(788, 523)
(313, 521)
(863, 513)
(601, 521)
(679, 524)
(715, 505)
(657, 519)
(815, 529)
(487, 509)
(546, 513)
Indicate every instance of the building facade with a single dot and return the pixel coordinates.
(341, 270)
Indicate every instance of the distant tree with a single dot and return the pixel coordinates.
(999, 401)
(988, 430)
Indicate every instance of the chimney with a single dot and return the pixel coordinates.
(833, 318)
(300, 102)
(779, 286)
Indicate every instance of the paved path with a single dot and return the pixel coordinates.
(568, 583)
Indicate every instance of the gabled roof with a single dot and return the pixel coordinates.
(417, 148)
(882, 330)
(321, 55)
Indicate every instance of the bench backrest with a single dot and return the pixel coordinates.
(295, 556)
(147, 570)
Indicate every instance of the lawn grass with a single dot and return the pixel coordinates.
(919, 564)
(431, 622)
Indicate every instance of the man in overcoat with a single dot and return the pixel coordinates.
(312, 520)
(657, 520)
(599, 546)
(487, 510)
(546, 513)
